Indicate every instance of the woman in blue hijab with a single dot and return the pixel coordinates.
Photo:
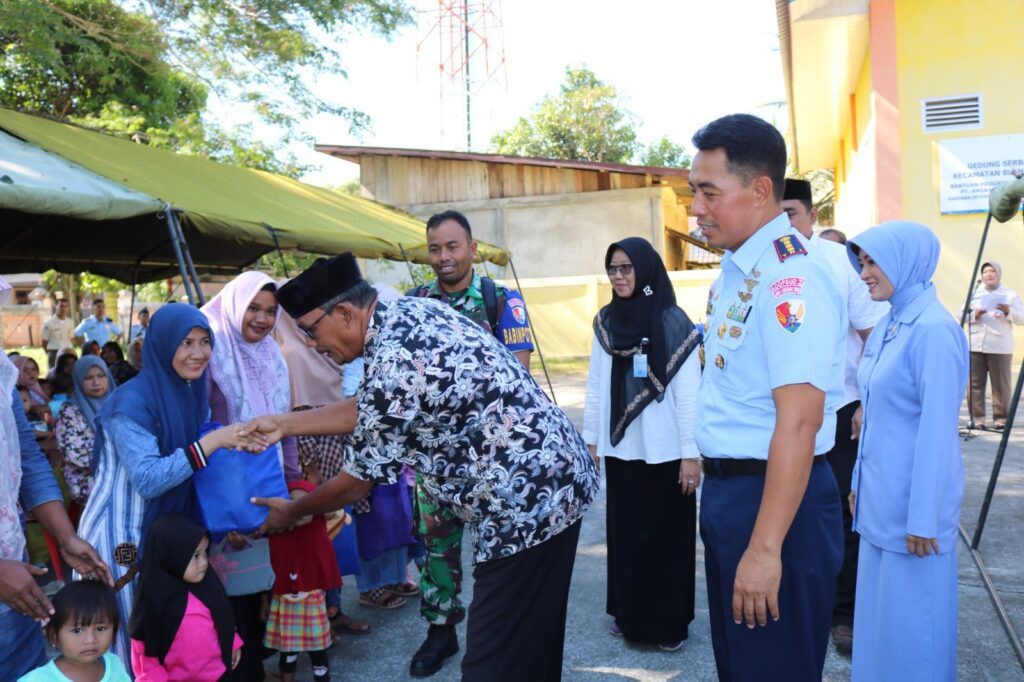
(76, 426)
(908, 481)
(148, 446)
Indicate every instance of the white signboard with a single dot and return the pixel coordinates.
(971, 167)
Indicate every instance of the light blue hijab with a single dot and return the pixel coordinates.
(89, 406)
(907, 253)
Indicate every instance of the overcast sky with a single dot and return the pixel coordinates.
(677, 65)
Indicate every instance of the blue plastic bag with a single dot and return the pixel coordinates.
(223, 487)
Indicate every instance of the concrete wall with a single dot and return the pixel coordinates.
(557, 236)
(562, 308)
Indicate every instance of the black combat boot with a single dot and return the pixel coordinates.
(441, 642)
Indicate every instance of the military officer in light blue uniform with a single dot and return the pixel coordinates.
(774, 377)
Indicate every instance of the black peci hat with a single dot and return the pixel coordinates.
(797, 189)
(319, 283)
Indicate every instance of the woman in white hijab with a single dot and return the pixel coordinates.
(994, 311)
(248, 379)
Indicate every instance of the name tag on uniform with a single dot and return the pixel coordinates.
(640, 366)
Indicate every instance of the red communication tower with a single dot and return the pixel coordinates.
(471, 52)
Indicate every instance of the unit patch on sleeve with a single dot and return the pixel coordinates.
(518, 309)
(788, 245)
(786, 285)
(790, 314)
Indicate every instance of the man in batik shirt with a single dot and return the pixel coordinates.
(501, 312)
(443, 396)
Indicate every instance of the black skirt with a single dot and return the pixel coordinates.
(652, 545)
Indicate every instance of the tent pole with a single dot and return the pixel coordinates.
(197, 285)
(997, 465)
(974, 273)
(131, 306)
(171, 223)
(408, 263)
(277, 245)
(536, 341)
(997, 602)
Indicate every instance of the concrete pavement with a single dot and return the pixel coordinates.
(592, 654)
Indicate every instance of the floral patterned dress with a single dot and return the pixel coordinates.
(75, 438)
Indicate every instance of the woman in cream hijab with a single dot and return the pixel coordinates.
(994, 311)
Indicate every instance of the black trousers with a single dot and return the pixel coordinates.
(516, 626)
(842, 457)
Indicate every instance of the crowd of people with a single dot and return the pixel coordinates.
(816, 411)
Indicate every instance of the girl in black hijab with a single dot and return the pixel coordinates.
(182, 620)
(639, 416)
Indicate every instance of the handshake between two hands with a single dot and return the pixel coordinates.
(255, 436)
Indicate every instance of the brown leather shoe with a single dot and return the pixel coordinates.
(842, 637)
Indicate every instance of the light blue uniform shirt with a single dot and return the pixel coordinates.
(775, 318)
(99, 331)
(909, 476)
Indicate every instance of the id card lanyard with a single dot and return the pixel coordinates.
(640, 360)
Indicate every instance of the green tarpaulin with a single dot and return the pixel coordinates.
(225, 213)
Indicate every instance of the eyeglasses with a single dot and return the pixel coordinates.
(310, 332)
(624, 269)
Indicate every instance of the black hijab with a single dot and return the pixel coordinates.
(651, 313)
(162, 594)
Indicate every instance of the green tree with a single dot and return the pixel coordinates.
(66, 58)
(62, 54)
(823, 187)
(585, 121)
(666, 154)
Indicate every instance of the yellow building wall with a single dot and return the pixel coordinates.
(562, 309)
(951, 47)
(855, 188)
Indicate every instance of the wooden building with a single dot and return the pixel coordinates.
(556, 217)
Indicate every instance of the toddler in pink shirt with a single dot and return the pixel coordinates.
(182, 625)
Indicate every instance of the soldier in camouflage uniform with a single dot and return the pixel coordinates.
(502, 312)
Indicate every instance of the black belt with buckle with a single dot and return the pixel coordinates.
(723, 467)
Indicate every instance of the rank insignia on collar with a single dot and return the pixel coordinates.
(788, 245)
(719, 361)
(755, 272)
(891, 332)
(738, 312)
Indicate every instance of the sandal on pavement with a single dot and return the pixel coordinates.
(379, 598)
(406, 589)
(344, 623)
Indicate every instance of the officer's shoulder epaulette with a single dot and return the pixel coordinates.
(787, 246)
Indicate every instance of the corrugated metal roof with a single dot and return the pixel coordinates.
(354, 153)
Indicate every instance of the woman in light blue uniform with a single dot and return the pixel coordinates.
(148, 446)
(908, 481)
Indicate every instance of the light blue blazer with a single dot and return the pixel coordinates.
(909, 474)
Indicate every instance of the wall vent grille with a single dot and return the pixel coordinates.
(960, 112)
